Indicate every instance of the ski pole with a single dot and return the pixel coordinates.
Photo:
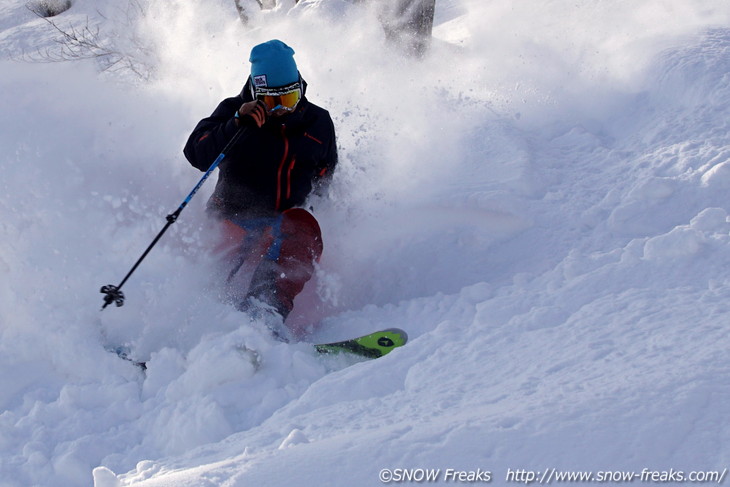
(113, 294)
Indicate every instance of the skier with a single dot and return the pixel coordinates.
(286, 151)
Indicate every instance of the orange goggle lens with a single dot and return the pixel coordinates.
(276, 100)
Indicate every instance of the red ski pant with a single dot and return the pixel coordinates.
(271, 259)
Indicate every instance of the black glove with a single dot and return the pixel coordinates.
(254, 110)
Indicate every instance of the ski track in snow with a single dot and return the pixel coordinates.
(541, 204)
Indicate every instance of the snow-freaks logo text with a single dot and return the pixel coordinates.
(420, 475)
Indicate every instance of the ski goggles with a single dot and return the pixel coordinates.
(285, 97)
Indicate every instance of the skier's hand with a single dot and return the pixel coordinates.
(254, 110)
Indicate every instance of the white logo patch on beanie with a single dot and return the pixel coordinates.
(259, 81)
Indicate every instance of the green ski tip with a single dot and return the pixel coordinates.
(373, 345)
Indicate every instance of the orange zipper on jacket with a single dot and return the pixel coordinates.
(288, 177)
(281, 168)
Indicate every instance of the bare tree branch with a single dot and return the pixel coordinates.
(78, 43)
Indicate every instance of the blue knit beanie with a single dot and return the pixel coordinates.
(272, 65)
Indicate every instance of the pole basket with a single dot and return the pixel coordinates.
(112, 295)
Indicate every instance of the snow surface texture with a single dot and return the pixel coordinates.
(541, 202)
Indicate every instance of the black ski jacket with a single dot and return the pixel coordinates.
(270, 169)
